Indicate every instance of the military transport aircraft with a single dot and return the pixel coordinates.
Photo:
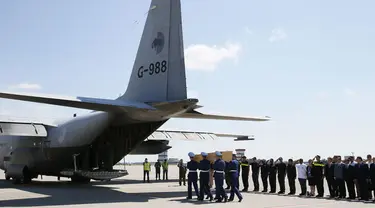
(86, 147)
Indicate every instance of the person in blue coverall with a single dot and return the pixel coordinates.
(219, 167)
(233, 171)
(204, 177)
(192, 165)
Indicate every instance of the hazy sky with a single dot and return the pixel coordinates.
(308, 65)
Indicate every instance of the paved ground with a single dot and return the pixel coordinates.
(132, 192)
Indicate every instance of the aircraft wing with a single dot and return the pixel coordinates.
(79, 102)
(198, 115)
(194, 136)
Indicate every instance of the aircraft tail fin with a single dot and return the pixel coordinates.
(159, 68)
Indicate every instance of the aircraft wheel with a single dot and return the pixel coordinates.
(81, 180)
(7, 178)
(26, 175)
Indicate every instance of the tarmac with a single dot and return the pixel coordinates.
(130, 191)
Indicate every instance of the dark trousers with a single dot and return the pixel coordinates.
(351, 190)
(227, 180)
(340, 186)
(302, 183)
(182, 178)
(363, 187)
(245, 180)
(331, 186)
(219, 183)
(265, 182)
(157, 174)
(165, 174)
(281, 179)
(192, 181)
(204, 184)
(292, 185)
(272, 179)
(146, 173)
(234, 187)
(255, 177)
(319, 186)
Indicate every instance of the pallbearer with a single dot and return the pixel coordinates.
(233, 171)
(192, 165)
(219, 167)
(204, 177)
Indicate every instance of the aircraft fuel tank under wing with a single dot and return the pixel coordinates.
(198, 115)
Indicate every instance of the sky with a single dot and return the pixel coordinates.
(307, 65)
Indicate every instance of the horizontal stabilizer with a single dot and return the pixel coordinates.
(80, 102)
(193, 136)
(197, 115)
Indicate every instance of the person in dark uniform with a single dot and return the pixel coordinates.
(372, 176)
(264, 174)
(245, 173)
(255, 173)
(272, 175)
(363, 177)
(292, 175)
(233, 171)
(281, 173)
(349, 179)
(181, 172)
(339, 178)
(157, 170)
(310, 179)
(227, 176)
(328, 173)
(219, 167)
(204, 177)
(192, 166)
(317, 172)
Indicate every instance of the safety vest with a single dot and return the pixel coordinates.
(165, 165)
(146, 166)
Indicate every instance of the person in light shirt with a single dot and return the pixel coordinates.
(302, 176)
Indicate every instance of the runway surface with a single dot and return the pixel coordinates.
(131, 191)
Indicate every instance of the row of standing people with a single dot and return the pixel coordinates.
(158, 165)
(340, 175)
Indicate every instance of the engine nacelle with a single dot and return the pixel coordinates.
(151, 147)
(15, 171)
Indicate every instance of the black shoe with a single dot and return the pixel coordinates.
(264, 191)
(189, 197)
(207, 197)
(240, 200)
(200, 199)
(229, 200)
(227, 187)
(226, 199)
(211, 198)
(244, 190)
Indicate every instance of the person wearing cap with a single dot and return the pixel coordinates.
(317, 173)
(192, 166)
(204, 177)
(245, 173)
(219, 168)
(233, 171)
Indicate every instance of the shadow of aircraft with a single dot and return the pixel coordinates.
(65, 193)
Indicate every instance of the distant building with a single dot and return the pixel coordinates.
(240, 153)
(163, 156)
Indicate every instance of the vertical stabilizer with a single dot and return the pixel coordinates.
(159, 69)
